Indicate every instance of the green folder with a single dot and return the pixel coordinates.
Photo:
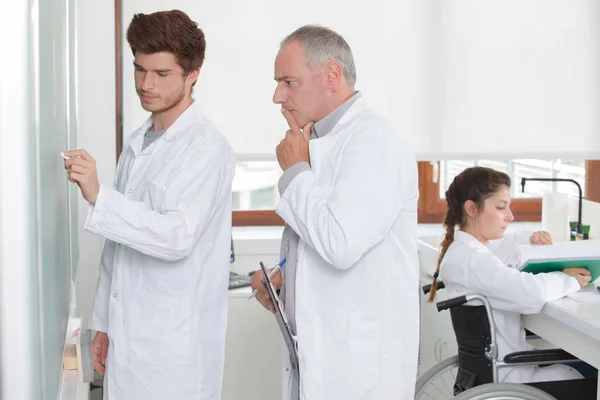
(592, 264)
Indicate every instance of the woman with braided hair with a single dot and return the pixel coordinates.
(477, 257)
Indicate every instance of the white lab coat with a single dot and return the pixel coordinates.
(470, 267)
(162, 289)
(357, 302)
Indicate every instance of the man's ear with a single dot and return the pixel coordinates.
(333, 75)
(192, 76)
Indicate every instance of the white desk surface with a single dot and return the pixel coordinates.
(584, 317)
(571, 325)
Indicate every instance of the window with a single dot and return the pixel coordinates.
(518, 169)
(255, 185)
(255, 192)
(526, 206)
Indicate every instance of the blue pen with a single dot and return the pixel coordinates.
(273, 271)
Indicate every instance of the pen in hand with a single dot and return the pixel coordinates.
(273, 271)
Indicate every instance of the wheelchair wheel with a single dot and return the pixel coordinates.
(504, 391)
(438, 382)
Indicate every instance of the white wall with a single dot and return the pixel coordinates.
(507, 72)
(95, 126)
(242, 40)
(462, 79)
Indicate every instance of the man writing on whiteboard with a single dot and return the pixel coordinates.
(349, 199)
(160, 309)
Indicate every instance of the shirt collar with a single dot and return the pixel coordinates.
(326, 124)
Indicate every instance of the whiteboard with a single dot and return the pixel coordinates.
(56, 201)
(38, 241)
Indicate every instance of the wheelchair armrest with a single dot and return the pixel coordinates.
(549, 356)
(450, 303)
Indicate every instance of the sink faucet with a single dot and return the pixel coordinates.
(578, 230)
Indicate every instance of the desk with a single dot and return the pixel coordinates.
(572, 326)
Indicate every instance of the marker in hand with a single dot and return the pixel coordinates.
(62, 154)
(273, 271)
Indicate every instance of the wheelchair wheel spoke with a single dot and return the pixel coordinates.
(438, 383)
(438, 390)
(449, 387)
(442, 387)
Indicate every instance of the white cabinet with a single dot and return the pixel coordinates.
(438, 341)
(253, 351)
(253, 348)
(428, 340)
(437, 336)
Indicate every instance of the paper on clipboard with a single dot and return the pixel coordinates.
(282, 320)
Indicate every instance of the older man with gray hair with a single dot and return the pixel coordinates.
(349, 196)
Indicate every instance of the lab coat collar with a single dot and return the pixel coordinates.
(468, 239)
(191, 115)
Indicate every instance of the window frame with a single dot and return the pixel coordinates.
(432, 209)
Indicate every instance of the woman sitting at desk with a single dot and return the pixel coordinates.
(479, 258)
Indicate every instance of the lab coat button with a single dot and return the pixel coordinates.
(115, 295)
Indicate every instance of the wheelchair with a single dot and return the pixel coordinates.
(473, 373)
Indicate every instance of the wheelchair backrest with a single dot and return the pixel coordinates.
(472, 330)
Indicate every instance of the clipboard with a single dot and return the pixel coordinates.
(282, 320)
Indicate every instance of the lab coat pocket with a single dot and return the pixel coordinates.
(348, 358)
(153, 195)
(160, 329)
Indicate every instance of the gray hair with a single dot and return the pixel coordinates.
(322, 45)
